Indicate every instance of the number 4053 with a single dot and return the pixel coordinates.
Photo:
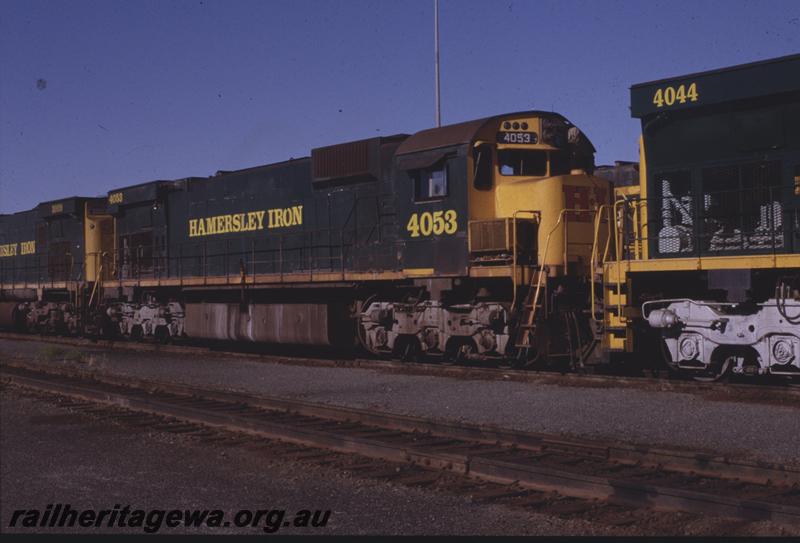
(436, 223)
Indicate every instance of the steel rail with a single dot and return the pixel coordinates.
(203, 407)
(678, 460)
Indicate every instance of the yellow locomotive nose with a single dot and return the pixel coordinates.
(567, 205)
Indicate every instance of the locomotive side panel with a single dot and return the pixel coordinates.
(141, 234)
(431, 188)
(281, 219)
(65, 254)
(250, 220)
(43, 245)
(20, 262)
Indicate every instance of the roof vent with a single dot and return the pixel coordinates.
(353, 161)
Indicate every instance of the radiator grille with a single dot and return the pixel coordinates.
(489, 236)
(497, 236)
(342, 161)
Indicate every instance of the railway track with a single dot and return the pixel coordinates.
(779, 392)
(483, 461)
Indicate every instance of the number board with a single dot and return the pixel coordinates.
(436, 223)
(669, 96)
(517, 137)
(755, 80)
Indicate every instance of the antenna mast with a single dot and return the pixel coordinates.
(436, 53)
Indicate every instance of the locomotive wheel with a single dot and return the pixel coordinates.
(526, 357)
(162, 335)
(464, 351)
(407, 349)
(108, 329)
(361, 333)
(458, 351)
(137, 333)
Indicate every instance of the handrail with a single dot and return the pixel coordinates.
(98, 275)
(597, 220)
(95, 287)
(619, 218)
(542, 271)
(535, 215)
(619, 223)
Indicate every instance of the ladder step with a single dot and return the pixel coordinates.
(615, 299)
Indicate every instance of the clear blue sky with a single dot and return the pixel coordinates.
(101, 94)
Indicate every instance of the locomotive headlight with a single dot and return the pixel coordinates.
(688, 348)
(783, 351)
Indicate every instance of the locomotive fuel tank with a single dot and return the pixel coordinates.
(298, 324)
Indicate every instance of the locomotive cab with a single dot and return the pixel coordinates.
(518, 187)
(539, 167)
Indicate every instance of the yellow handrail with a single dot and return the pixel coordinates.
(618, 249)
(98, 277)
(94, 288)
(598, 217)
(541, 274)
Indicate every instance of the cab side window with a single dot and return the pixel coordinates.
(430, 184)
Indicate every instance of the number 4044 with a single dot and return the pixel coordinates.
(670, 95)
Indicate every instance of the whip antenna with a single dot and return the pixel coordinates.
(436, 63)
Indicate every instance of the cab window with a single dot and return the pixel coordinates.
(560, 163)
(430, 184)
(522, 162)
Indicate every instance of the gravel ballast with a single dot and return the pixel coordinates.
(755, 431)
(52, 454)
